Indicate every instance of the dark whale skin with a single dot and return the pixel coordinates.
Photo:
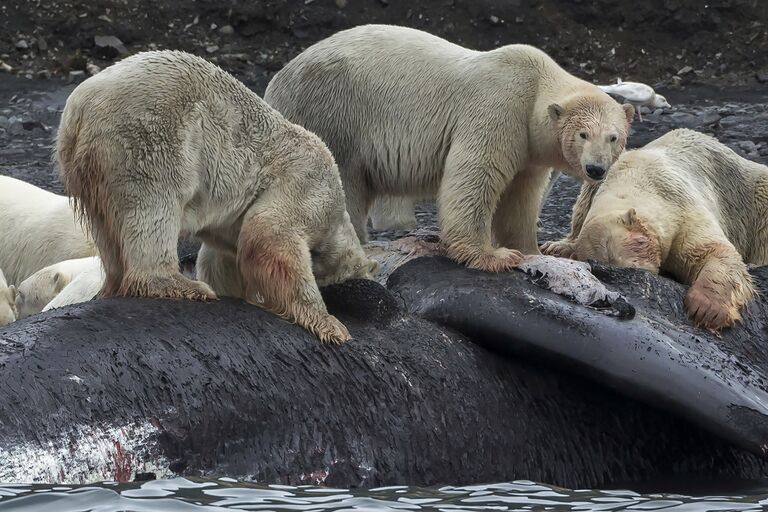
(225, 389)
(652, 354)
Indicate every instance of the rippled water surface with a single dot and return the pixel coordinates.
(207, 495)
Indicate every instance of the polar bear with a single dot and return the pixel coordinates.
(36, 291)
(690, 206)
(84, 287)
(409, 114)
(8, 312)
(165, 143)
(38, 229)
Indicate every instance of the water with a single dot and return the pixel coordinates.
(182, 495)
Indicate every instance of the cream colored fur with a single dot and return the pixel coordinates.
(409, 114)
(84, 287)
(165, 143)
(41, 287)
(688, 205)
(8, 311)
(38, 229)
(393, 213)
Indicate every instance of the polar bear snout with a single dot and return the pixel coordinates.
(596, 172)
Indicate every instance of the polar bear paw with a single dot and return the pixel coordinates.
(711, 308)
(564, 248)
(168, 286)
(499, 260)
(329, 329)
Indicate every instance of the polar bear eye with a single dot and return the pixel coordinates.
(583, 135)
(613, 138)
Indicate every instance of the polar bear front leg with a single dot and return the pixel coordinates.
(467, 198)
(566, 248)
(720, 289)
(515, 222)
(276, 268)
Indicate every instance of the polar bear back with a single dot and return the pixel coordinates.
(394, 99)
(185, 125)
(39, 229)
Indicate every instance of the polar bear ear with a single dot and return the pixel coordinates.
(629, 111)
(59, 282)
(629, 218)
(555, 111)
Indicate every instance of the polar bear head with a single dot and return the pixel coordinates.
(39, 289)
(592, 131)
(340, 257)
(623, 239)
(8, 312)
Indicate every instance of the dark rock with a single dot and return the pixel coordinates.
(682, 119)
(109, 47)
(31, 124)
(706, 119)
(76, 76)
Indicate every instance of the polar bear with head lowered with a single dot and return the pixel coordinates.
(37, 228)
(164, 143)
(688, 205)
(408, 113)
(36, 291)
(8, 311)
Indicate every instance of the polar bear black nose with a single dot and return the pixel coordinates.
(595, 172)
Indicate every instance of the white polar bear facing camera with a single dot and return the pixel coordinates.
(36, 291)
(38, 229)
(8, 313)
(406, 113)
(165, 143)
(688, 205)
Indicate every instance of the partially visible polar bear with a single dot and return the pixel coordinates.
(164, 143)
(38, 228)
(36, 291)
(8, 312)
(406, 113)
(690, 206)
(83, 287)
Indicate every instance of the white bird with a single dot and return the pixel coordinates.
(637, 94)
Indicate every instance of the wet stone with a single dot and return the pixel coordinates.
(76, 76)
(683, 119)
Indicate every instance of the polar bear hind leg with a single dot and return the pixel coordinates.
(218, 269)
(151, 223)
(135, 223)
(393, 213)
(359, 200)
